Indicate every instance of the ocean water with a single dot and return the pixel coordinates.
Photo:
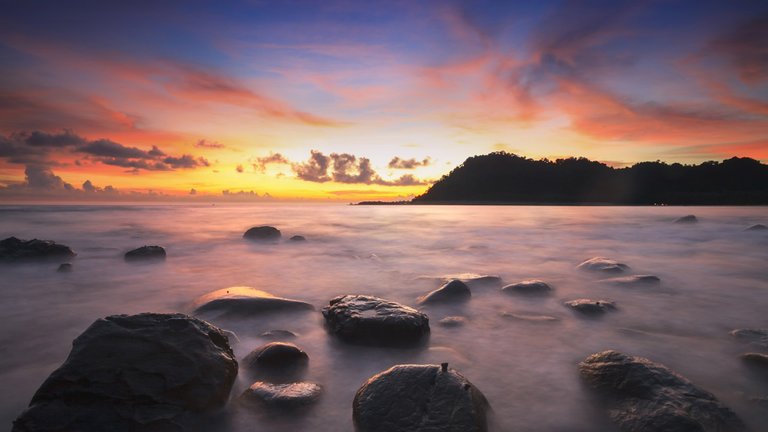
(714, 279)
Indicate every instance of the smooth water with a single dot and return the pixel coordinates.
(714, 279)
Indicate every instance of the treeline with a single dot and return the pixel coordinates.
(503, 177)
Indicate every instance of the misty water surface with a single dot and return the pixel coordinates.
(714, 279)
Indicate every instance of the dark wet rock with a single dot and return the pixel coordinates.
(757, 227)
(646, 396)
(756, 359)
(278, 334)
(528, 287)
(603, 265)
(13, 249)
(262, 233)
(408, 398)
(529, 317)
(64, 268)
(369, 320)
(277, 361)
(690, 219)
(135, 373)
(471, 279)
(282, 396)
(452, 292)
(146, 253)
(453, 321)
(754, 336)
(235, 301)
(298, 238)
(634, 281)
(591, 307)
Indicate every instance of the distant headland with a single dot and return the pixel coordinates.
(505, 178)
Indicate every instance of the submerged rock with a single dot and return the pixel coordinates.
(603, 265)
(758, 337)
(277, 361)
(13, 249)
(137, 372)
(262, 233)
(146, 253)
(690, 219)
(64, 268)
(452, 292)
(529, 317)
(591, 307)
(408, 398)
(757, 227)
(246, 301)
(453, 321)
(646, 396)
(278, 334)
(369, 320)
(756, 359)
(298, 238)
(633, 281)
(528, 287)
(282, 396)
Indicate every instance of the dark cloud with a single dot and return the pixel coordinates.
(746, 47)
(274, 158)
(315, 169)
(239, 168)
(398, 163)
(111, 149)
(346, 168)
(203, 143)
(67, 138)
(39, 177)
(186, 161)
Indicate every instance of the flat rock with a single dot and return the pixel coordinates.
(282, 396)
(131, 373)
(13, 249)
(633, 281)
(262, 233)
(591, 307)
(64, 268)
(277, 361)
(246, 301)
(146, 253)
(756, 359)
(528, 287)
(757, 227)
(408, 398)
(690, 219)
(532, 317)
(278, 334)
(454, 291)
(369, 320)
(646, 396)
(603, 265)
(754, 336)
(298, 238)
(452, 321)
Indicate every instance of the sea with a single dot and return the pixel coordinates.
(714, 279)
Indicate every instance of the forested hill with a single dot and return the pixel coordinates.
(507, 178)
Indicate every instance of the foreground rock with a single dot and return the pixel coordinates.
(603, 265)
(419, 398)
(139, 372)
(454, 291)
(262, 233)
(282, 396)
(13, 249)
(277, 361)
(645, 396)
(241, 301)
(64, 268)
(369, 320)
(633, 281)
(528, 287)
(146, 253)
(690, 219)
(754, 336)
(591, 307)
(757, 227)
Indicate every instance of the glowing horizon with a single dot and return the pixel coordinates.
(349, 101)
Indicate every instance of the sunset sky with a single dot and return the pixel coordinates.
(351, 100)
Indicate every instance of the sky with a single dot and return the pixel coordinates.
(350, 100)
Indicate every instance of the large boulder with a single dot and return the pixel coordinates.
(146, 253)
(603, 265)
(262, 233)
(454, 291)
(369, 320)
(428, 398)
(282, 396)
(13, 249)
(241, 301)
(528, 287)
(646, 396)
(135, 372)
